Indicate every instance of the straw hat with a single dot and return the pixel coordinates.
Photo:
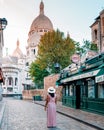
(51, 90)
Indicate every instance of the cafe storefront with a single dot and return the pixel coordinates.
(84, 89)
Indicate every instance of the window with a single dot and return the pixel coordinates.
(72, 90)
(27, 63)
(10, 81)
(15, 81)
(101, 91)
(45, 30)
(34, 51)
(91, 89)
(41, 30)
(63, 91)
(95, 34)
(67, 92)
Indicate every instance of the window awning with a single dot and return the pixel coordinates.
(100, 76)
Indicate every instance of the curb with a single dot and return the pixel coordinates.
(77, 119)
(2, 112)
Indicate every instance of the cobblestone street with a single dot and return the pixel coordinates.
(25, 115)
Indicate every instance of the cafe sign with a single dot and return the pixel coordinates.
(99, 79)
(75, 58)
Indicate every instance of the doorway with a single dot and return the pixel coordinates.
(78, 97)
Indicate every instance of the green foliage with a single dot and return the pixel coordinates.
(53, 48)
(37, 74)
(87, 45)
(94, 47)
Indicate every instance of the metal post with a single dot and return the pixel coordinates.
(3, 23)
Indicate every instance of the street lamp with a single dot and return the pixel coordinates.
(3, 23)
(57, 67)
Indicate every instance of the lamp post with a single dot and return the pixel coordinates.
(57, 67)
(3, 23)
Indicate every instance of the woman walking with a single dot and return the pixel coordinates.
(50, 106)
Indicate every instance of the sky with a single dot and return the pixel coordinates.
(72, 16)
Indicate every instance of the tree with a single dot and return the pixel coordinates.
(87, 45)
(37, 74)
(53, 48)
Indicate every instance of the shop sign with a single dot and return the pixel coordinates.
(75, 58)
(81, 76)
(99, 79)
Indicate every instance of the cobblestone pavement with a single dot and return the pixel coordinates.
(83, 116)
(24, 115)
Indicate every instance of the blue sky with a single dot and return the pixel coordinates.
(73, 16)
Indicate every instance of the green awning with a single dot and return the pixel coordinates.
(101, 72)
(58, 82)
(80, 76)
(100, 76)
(101, 66)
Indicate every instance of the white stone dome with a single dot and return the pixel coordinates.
(41, 22)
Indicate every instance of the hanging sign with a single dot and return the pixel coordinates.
(75, 58)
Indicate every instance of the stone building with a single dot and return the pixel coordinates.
(40, 25)
(97, 29)
(15, 67)
(12, 67)
(83, 84)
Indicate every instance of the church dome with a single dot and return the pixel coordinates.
(17, 52)
(41, 22)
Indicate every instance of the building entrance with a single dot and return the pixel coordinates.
(78, 97)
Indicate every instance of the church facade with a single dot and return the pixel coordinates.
(15, 67)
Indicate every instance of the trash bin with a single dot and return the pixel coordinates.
(33, 98)
(37, 98)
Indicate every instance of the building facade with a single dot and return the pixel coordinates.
(83, 86)
(40, 25)
(15, 67)
(97, 31)
(13, 72)
(83, 82)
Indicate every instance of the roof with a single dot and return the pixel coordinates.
(41, 21)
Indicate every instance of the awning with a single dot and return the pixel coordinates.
(58, 82)
(80, 76)
(100, 76)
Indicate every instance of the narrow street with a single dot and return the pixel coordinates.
(25, 115)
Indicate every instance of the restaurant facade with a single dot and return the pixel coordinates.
(83, 85)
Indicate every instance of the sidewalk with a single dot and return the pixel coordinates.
(91, 119)
(2, 107)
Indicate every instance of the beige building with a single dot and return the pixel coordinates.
(97, 31)
(40, 25)
(13, 68)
